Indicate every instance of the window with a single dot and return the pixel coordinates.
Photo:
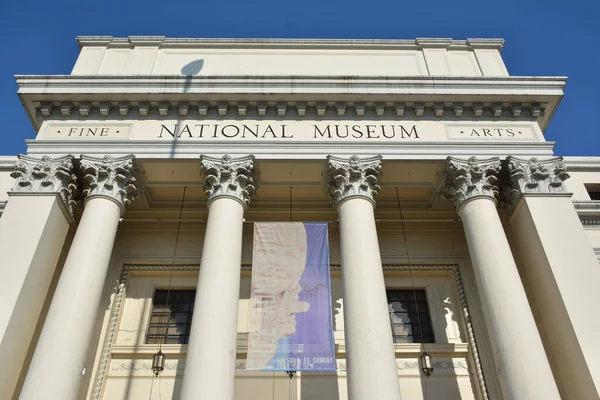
(593, 190)
(171, 320)
(403, 305)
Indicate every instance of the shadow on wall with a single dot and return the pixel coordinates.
(189, 70)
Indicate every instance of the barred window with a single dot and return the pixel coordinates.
(171, 320)
(402, 306)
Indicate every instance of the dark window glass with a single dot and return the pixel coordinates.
(409, 316)
(171, 320)
(594, 195)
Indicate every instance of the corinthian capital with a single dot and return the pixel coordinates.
(109, 177)
(537, 176)
(229, 177)
(353, 177)
(466, 179)
(46, 175)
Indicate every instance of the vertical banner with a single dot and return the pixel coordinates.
(291, 326)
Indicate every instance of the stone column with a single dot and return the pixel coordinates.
(370, 357)
(210, 364)
(560, 270)
(33, 229)
(520, 358)
(59, 359)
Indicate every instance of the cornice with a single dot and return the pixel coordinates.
(164, 42)
(512, 85)
(588, 212)
(582, 164)
(467, 97)
(7, 163)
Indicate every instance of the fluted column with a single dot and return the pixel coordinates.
(33, 229)
(59, 359)
(370, 357)
(210, 364)
(521, 361)
(561, 271)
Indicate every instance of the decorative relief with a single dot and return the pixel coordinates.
(229, 177)
(47, 175)
(353, 177)
(537, 176)
(471, 178)
(110, 177)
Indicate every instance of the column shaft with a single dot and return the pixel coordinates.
(370, 356)
(210, 364)
(59, 359)
(371, 361)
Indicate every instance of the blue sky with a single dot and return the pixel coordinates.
(549, 38)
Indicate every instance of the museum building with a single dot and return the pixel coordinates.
(463, 253)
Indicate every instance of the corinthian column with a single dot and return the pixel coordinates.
(210, 364)
(520, 358)
(59, 360)
(33, 229)
(371, 361)
(554, 250)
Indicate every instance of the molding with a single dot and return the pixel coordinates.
(46, 175)
(522, 97)
(164, 42)
(82, 109)
(109, 337)
(228, 177)
(466, 179)
(2, 206)
(292, 150)
(7, 163)
(588, 212)
(353, 177)
(109, 177)
(583, 164)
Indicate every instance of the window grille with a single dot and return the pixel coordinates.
(408, 326)
(170, 322)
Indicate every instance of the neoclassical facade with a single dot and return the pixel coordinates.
(454, 229)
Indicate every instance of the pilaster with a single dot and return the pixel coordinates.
(33, 230)
(35, 176)
(555, 253)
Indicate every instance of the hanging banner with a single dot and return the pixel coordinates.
(291, 326)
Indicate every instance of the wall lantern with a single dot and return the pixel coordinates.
(426, 363)
(158, 362)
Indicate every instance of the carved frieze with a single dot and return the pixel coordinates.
(229, 177)
(109, 177)
(536, 176)
(353, 177)
(470, 178)
(47, 175)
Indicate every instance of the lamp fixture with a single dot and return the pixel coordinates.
(158, 362)
(426, 363)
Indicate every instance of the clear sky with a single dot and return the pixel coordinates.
(552, 38)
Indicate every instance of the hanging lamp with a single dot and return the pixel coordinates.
(159, 358)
